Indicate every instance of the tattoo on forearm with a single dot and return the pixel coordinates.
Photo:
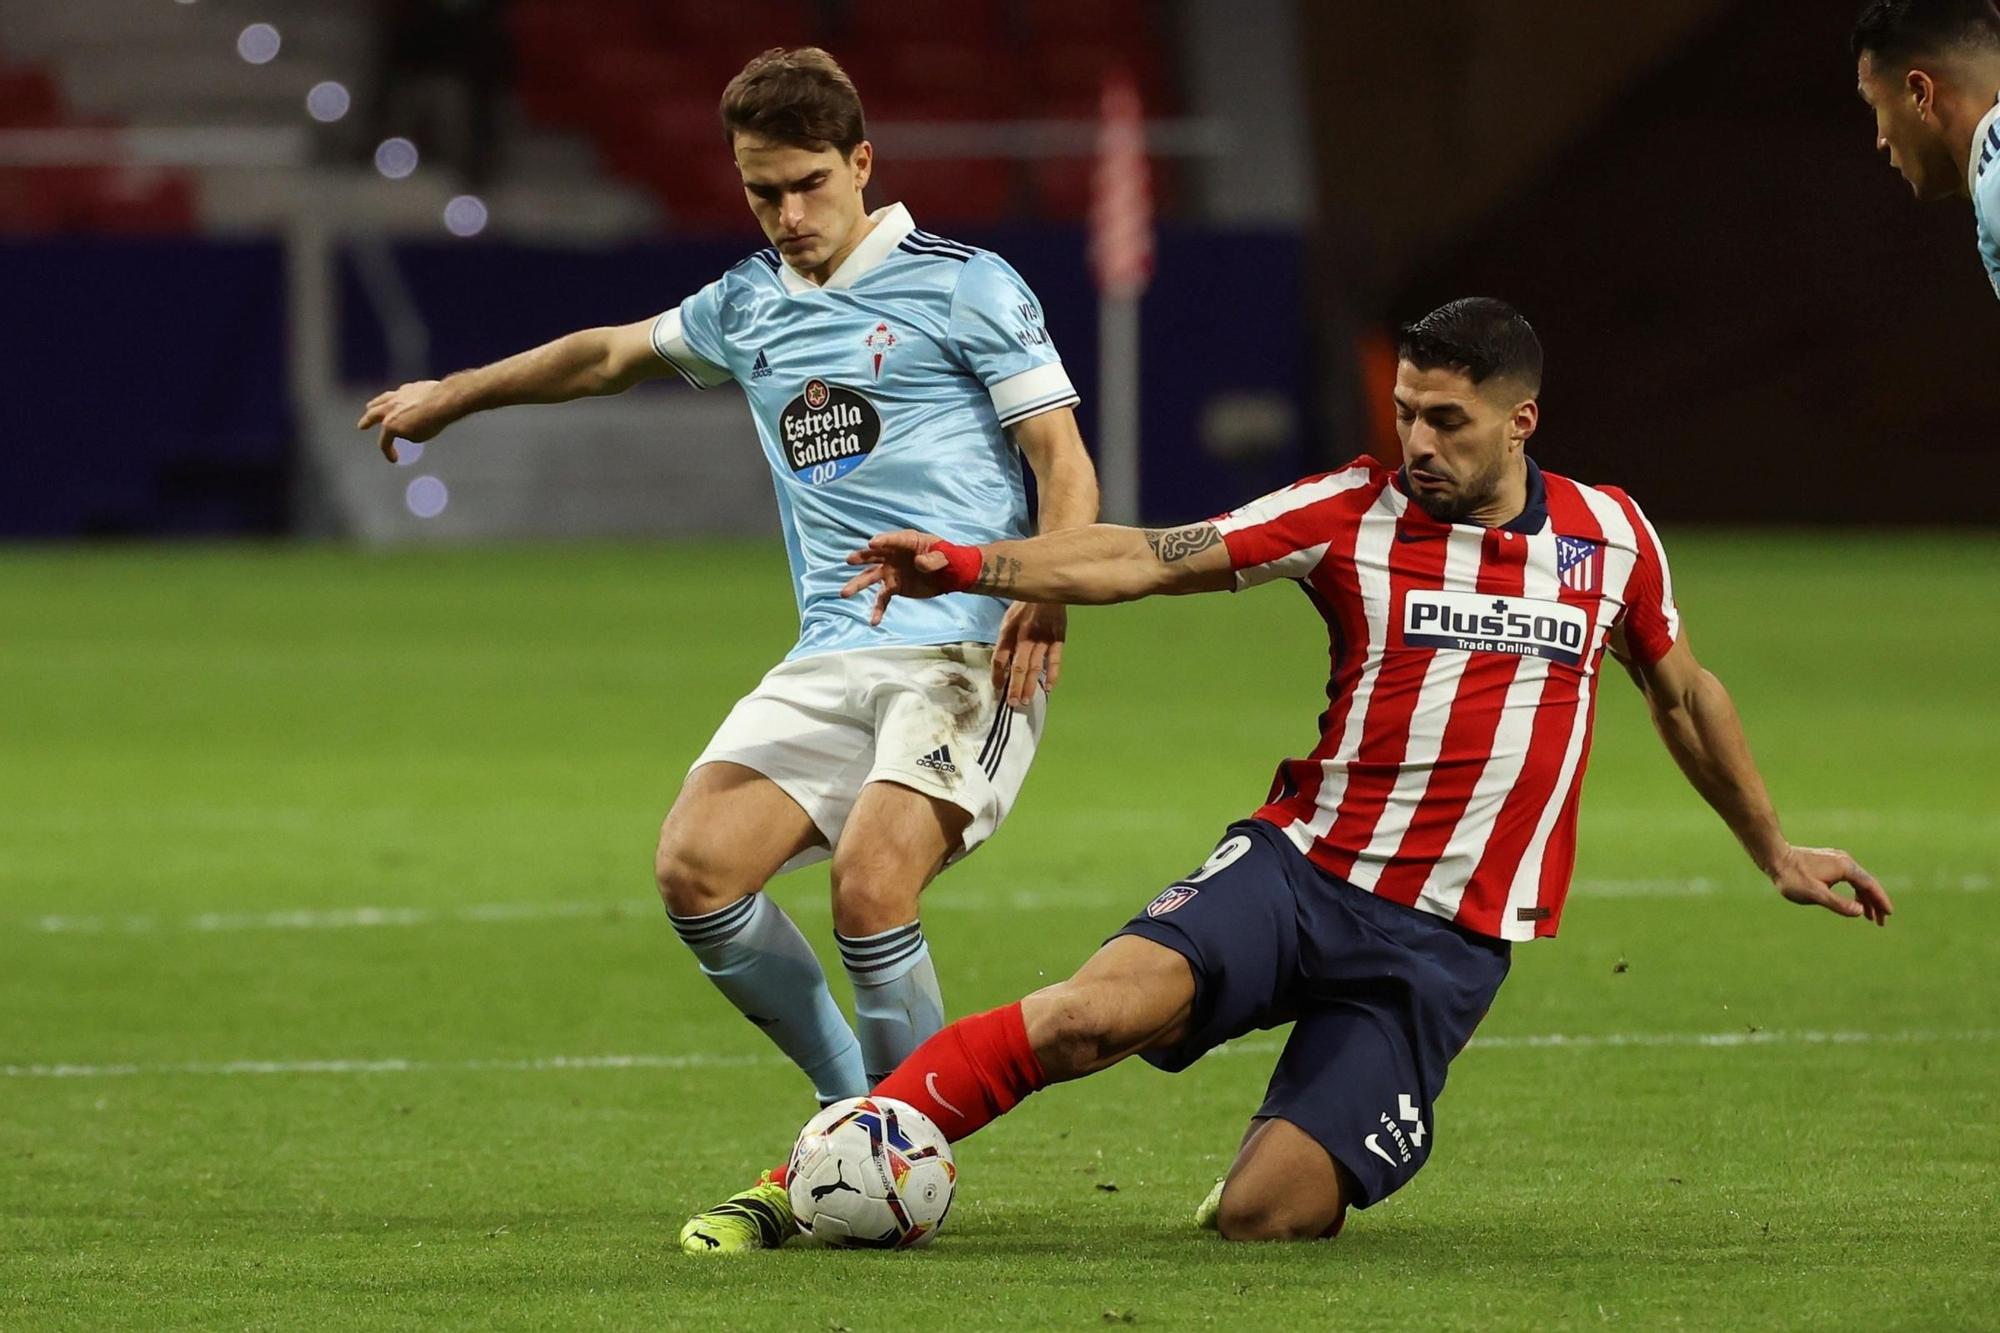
(1176, 544)
(998, 574)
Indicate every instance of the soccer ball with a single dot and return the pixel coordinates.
(871, 1173)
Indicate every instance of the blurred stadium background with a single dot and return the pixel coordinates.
(345, 775)
(224, 222)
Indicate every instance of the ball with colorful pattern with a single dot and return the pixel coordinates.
(871, 1173)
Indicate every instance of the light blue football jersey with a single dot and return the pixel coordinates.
(882, 399)
(1985, 183)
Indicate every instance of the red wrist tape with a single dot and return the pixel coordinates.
(961, 566)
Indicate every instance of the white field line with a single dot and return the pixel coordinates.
(539, 1065)
(1601, 1041)
(355, 918)
(343, 918)
(1582, 1041)
(1747, 1037)
(1833, 822)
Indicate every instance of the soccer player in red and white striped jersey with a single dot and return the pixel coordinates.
(1373, 899)
(1465, 652)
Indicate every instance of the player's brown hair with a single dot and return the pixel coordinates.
(798, 95)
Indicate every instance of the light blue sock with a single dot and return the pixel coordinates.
(756, 956)
(897, 1003)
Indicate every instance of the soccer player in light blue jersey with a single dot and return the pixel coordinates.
(897, 380)
(1930, 69)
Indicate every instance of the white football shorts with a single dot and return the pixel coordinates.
(823, 727)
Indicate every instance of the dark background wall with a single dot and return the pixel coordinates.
(1430, 113)
(147, 389)
(144, 387)
(1746, 315)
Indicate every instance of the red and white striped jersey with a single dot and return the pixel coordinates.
(1464, 666)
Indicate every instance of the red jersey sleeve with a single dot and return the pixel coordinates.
(1284, 535)
(1651, 621)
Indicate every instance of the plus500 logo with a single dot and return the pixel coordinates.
(1483, 623)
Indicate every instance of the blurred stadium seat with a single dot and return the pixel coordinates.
(79, 198)
(643, 81)
(99, 199)
(28, 98)
(604, 92)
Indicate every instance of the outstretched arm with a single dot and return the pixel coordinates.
(584, 364)
(1699, 724)
(1081, 566)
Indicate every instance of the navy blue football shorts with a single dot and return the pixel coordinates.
(1381, 996)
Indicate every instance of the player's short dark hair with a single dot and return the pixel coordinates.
(1908, 30)
(1478, 337)
(798, 95)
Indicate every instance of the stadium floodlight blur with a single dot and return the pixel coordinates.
(328, 101)
(465, 215)
(426, 497)
(259, 43)
(396, 157)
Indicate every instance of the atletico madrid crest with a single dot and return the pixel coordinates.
(1580, 564)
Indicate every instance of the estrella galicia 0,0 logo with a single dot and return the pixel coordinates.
(827, 432)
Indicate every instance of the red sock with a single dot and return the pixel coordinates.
(967, 1076)
(973, 1072)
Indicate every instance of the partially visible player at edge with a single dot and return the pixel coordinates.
(1930, 70)
(1469, 599)
(894, 377)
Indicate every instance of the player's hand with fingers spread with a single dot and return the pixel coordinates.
(899, 564)
(414, 412)
(1806, 875)
(1029, 650)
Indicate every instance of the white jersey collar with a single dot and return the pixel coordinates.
(892, 225)
(1971, 163)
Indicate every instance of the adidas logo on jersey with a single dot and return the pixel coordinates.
(761, 367)
(939, 760)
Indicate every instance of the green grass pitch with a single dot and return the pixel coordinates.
(381, 826)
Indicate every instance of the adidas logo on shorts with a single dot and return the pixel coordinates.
(939, 760)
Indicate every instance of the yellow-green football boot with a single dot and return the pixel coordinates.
(1210, 1208)
(759, 1218)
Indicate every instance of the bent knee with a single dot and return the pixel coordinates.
(877, 882)
(691, 884)
(868, 904)
(1280, 1206)
(1256, 1219)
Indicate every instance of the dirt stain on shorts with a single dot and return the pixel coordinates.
(961, 701)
